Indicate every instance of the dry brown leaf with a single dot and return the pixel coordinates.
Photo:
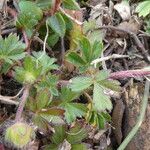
(123, 9)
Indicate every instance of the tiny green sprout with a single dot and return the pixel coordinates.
(19, 134)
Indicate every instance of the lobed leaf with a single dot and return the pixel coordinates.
(80, 83)
(11, 49)
(57, 23)
(101, 101)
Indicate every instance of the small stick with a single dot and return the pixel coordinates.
(136, 40)
(73, 19)
(36, 38)
(96, 61)
(10, 99)
(6, 99)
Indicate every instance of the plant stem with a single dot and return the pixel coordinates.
(140, 119)
(22, 103)
(129, 73)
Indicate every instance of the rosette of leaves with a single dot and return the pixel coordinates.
(34, 68)
(86, 55)
(72, 137)
(11, 50)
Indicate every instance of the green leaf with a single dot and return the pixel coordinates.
(76, 134)
(101, 101)
(111, 84)
(67, 95)
(106, 116)
(88, 26)
(45, 61)
(44, 4)
(80, 83)
(53, 39)
(97, 49)
(11, 49)
(79, 147)
(31, 8)
(73, 110)
(75, 59)
(57, 23)
(51, 112)
(96, 35)
(102, 75)
(143, 8)
(101, 121)
(86, 49)
(49, 82)
(59, 135)
(40, 122)
(70, 4)
(42, 98)
(29, 72)
(29, 16)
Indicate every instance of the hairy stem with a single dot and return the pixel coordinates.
(129, 73)
(22, 103)
(140, 119)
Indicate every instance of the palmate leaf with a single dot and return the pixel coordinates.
(101, 101)
(67, 95)
(72, 110)
(29, 72)
(49, 82)
(29, 15)
(80, 83)
(43, 60)
(11, 49)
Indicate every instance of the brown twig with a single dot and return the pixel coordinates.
(8, 31)
(136, 40)
(36, 38)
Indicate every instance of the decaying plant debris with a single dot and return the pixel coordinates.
(73, 73)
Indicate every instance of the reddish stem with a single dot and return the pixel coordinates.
(22, 103)
(129, 73)
(25, 37)
(12, 12)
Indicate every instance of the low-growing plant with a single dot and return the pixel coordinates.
(44, 96)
